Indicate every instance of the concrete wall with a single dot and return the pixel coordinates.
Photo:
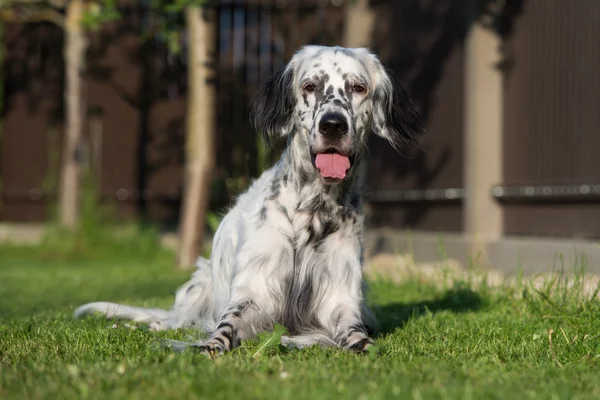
(506, 254)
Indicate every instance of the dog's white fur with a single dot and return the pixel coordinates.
(290, 250)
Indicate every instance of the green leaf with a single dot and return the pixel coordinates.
(100, 13)
(271, 341)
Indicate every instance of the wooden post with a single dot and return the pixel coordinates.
(359, 24)
(200, 157)
(74, 57)
(483, 133)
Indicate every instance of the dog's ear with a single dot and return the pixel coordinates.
(273, 106)
(396, 116)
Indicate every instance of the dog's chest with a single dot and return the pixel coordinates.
(311, 220)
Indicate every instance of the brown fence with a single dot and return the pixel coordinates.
(136, 96)
(423, 43)
(135, 93)
(552, 120)
(136, 99)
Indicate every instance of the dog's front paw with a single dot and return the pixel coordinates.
(365, 345)
(211, 348)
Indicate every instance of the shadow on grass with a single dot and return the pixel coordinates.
(396, 315)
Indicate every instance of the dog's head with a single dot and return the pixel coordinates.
(334, 97)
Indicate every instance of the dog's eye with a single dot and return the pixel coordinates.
(310, 87)
(359, 88)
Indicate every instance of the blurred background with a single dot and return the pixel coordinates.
(115, 105)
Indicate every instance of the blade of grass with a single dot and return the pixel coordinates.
(273, 340)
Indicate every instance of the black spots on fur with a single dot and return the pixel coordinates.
(284, 211)
(275, 189)
(262, 215)
(305, 296)
(228, 335)
(221, 341)
(328, 217)
(329, 90)
(329, 227)
(345, 77)
(347, 216)
(225, 325)
(343, 105)
(321, 226)
(305, 98)
(313, 204)
(321, 94)
(311, 233)
(189, 289)
(345, 51)
(299, 314)
(360, 345)
(258, 261)
(356, 328)
(316, 107)
(348, 89)
(316, 65)
(341, 92)
(303, 177)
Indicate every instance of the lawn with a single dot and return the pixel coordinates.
(455, 342)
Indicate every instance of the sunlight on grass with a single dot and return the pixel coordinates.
(455, 336)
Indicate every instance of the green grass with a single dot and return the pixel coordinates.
(455, 343)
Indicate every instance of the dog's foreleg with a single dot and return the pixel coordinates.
(351, 333)
(256, 294)
(346, 319)
(343, 310)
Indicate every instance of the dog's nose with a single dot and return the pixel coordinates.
(333, 124)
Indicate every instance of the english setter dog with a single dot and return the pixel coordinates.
(290, 251)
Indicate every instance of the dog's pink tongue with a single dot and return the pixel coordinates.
(332, 165)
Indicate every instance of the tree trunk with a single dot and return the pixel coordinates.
(74, 58)
(200, 157)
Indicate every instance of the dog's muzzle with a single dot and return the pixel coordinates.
(333, 162)
(333, 126)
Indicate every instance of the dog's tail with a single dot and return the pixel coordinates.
(193, 305)
(121, 311)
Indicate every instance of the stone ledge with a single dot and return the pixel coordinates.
(21, 233)
(506, 254)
